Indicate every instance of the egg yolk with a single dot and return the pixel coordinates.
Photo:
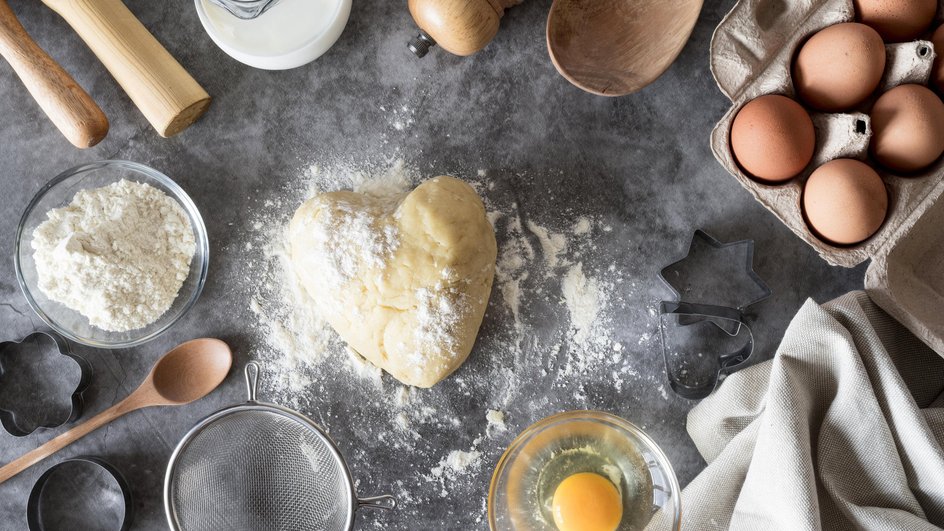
(587, 502)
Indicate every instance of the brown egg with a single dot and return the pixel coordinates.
(907, 128)
(839, 67)
(937, 73)
(845, 202)
(772, 138)
(897, 20)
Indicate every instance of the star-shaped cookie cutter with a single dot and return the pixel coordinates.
(714, 284)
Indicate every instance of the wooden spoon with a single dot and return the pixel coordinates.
(617, 47)
(69, 107)
(188, 372)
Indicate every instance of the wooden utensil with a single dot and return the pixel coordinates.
(69, 107)
(188, 372)
(617, 47)
(164, 92)
(461, 27)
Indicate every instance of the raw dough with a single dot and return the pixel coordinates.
(403, 279)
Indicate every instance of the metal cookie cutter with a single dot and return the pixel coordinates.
(80, 493)
(25, 389)
(705, 333)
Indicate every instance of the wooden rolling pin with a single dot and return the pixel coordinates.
(164, 92)
(69, 107)
(461, 27)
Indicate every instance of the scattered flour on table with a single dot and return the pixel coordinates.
(583, 226)
(117, 255)
(495, 420)
(551, 244)
(582, 296)
(515, 254)
(455, 465)
(401, 118)
(457, 462)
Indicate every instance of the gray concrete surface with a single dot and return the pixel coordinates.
(641, 162)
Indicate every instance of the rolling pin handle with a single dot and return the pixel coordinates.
(421, 44)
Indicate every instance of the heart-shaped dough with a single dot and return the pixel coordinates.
(403, 279)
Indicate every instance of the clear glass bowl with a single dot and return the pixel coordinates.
(58, 193)
(550, 449)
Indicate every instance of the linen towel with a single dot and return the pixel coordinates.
(842, 429)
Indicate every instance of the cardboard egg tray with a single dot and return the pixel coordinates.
(752, 51)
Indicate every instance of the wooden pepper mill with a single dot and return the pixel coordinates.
(461, 27)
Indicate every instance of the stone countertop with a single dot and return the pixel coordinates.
(639, 165)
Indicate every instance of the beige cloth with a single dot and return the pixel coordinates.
(843, 429)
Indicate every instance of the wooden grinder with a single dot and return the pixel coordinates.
(461, 27)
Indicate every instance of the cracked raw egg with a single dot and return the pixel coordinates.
(587, 502)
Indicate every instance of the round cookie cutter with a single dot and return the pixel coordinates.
(80, 493)
(8, 418)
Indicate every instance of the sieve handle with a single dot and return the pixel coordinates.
(386, 502)
(252, 379)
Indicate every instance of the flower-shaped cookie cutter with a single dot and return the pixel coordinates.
(46, 341)
(714, 285)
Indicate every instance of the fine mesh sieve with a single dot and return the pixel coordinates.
(260, 466)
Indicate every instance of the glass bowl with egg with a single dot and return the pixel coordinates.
(583, 470)
(88, 229)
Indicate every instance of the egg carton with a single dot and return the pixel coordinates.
(752, 51)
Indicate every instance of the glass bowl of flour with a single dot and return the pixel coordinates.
(111, 254)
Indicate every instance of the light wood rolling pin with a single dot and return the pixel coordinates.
(69, 107)
(461, 27)
(164, 92)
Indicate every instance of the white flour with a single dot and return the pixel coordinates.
(582, 296)
(515, 253)
(496, 421)
(456, 463)
(348, 237)
(438, 318)
(117, 254)
(552, 245)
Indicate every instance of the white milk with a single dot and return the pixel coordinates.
(284, 28)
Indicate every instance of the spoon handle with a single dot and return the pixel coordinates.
(32, 457)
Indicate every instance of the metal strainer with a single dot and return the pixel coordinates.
(260, 466)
